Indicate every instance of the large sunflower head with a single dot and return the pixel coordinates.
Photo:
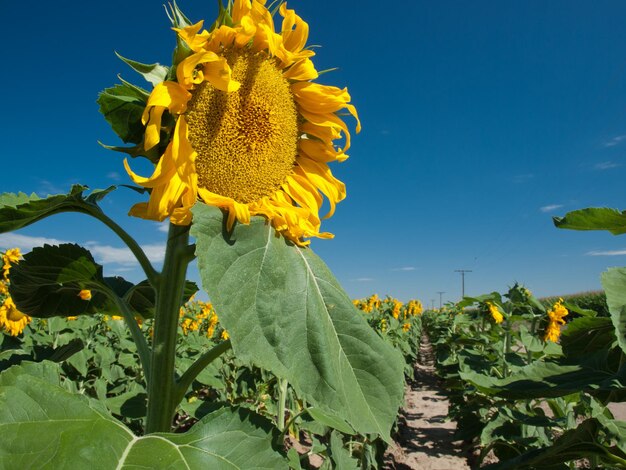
(241, 125)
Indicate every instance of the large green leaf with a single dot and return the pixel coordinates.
(48, 280)
(554, 378)
(285, 312)
(574, 444)
(614, 283)
(587, 335)
(142, 297)
(594, 218)
(45, 427)
(20, 210)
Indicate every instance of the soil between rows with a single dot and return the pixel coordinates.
(425, 436)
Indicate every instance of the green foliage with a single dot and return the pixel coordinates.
(594, 218)
(614, 283)
(502, 377)
(153, 73)
(122, 106)
(48, 280)
(594, 301)
(285, 312)
(49, 427)
(20, 210)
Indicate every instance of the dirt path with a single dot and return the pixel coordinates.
(425, 437)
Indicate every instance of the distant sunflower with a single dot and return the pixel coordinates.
(555, 320)
(11, 319)
(11, 256)
(252, 134)
(495, 313)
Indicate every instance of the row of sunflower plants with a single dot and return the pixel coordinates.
(96, 358)
(240, 137)
(533, 384)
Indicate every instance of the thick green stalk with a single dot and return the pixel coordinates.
(162, 386)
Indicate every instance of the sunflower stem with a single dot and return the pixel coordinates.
(140, 341)
(162, 389)
(134, 247)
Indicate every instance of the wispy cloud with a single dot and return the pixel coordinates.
(606, 165)
(47, 187)
(405, 268)
(523, 178)
(114, 175)
(24, 242)
(363, 279)
(615, 141)
(163, 227)
(104, 254)
(607, 253)
(550, 207)
(107, 254)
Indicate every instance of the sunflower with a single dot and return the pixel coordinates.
(11, 319)
(495, 313)
(11, 256)
(246, 128)
(555, 317)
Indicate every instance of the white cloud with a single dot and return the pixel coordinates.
(163, 227)
(363, 279)
(607, 253)
(606, 165)
(104, 254)
(615, 141)
(114, 175)
(405, 268)
(550, 207)
(24, 242)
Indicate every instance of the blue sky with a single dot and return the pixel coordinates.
(481, 120)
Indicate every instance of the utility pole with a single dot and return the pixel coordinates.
(462, 271)
(440, 294)
(432, 304)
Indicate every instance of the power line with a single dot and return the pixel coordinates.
(440, 294)
(462, 271)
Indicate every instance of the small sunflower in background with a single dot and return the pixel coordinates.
(242, 126)
(12, 321)
(495, 313)
(555, 321)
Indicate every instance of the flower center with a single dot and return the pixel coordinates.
(246, 141)
(13, 314)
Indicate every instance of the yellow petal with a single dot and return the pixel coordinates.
(295, 31)
(328, 120)
(301, 71)
(320, 175)
(320, 151)
(191, 37)
(163, 171)
(153, 129)
(303, 192)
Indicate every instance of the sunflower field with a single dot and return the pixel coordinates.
(232, 145)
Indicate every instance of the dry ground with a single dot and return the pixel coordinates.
(425, 437)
